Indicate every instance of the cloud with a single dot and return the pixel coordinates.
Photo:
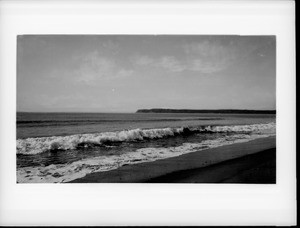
(173, 64)
(206, 57)
(169, 63)
(207, 67)
(203, 57)
(94, 67)
(210, 57)
(142, 60)
(123, 73)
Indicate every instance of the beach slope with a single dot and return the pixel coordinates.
(249, 162)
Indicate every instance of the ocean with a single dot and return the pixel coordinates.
(60, 147)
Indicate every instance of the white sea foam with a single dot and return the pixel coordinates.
(40, 145)
(269, 128)
(77, 169)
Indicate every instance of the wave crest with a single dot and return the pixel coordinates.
(43, 144)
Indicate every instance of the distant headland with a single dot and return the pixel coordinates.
(233, 111)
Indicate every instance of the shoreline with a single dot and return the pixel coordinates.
(193, 164)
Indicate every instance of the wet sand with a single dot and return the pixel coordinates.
(249, 162)
(254, 168)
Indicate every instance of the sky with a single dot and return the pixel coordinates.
(123, 73)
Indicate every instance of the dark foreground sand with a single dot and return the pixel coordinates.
(254, 168)
(250, 162)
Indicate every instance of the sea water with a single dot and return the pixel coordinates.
(60, 147)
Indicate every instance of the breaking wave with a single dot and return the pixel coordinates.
(66, 172)
(43, 144)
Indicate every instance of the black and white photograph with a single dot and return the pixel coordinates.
(146, 108)
(148, 113)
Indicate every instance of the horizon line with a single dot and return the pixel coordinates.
(143, 109)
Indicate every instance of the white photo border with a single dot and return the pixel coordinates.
(149, 204)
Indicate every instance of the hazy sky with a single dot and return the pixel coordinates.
(120, 73)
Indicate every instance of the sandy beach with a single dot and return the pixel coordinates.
(249, 162)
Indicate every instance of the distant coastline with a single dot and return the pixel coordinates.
(235, 111)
